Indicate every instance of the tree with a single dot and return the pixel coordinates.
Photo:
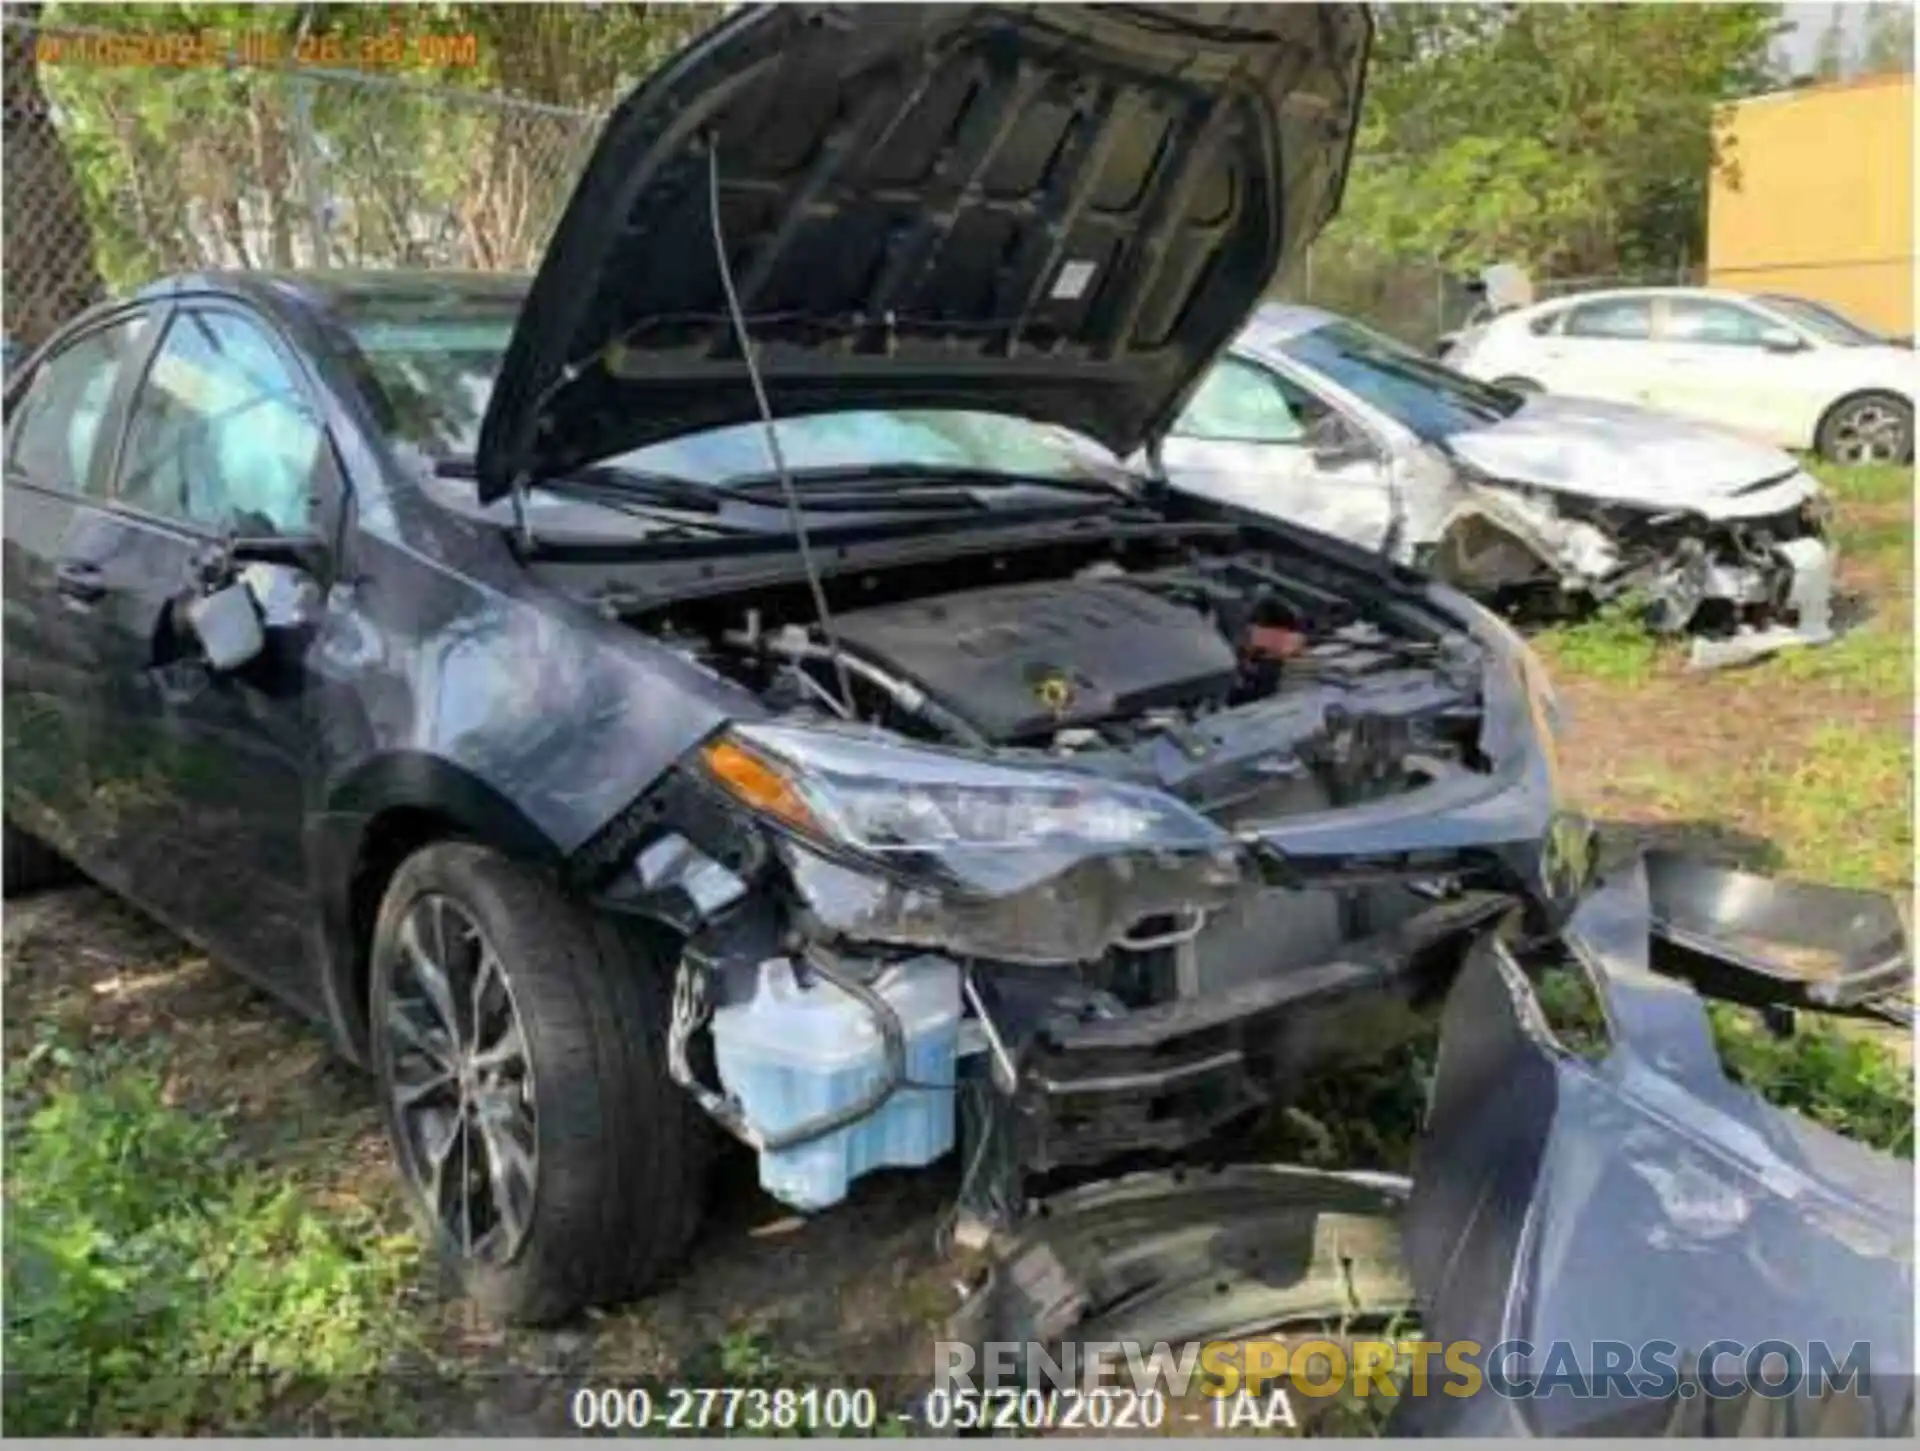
(1887, 46)
(1576, 139)
(1830, 58)
(117, 173)
(50, 273)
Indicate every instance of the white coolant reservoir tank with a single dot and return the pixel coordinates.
(793, 1052)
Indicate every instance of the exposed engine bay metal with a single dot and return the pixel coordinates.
(1181, 819)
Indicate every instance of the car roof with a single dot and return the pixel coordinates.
(1611, 294)
(332, 291)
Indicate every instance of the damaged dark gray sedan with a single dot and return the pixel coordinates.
(482, 667)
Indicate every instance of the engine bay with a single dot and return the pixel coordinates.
(1189, 668)
(1256, 686)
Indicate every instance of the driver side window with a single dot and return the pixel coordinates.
(221, 435)
(1240, 402)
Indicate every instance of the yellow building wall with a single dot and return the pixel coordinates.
(1820, 199)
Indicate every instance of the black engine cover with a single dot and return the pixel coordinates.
(1022, 661)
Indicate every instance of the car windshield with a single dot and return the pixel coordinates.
(1427, 398)
(1826, 323)
(438, 372)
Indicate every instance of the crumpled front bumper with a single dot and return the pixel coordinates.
(1162, 1078)
(1784, 600)
(1559, 1202)
(1743, 587)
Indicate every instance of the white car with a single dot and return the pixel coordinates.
(1318, 420)
(1792, 373)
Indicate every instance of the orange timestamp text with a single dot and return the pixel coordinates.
(439, 48)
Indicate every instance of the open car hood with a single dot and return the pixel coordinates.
(1059, 211)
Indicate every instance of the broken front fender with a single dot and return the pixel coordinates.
(1642, 1197)
(1560, 1205)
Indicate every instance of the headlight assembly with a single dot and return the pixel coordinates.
(893, 842)
(883, 799)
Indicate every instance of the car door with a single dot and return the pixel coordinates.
(209, 769)
(1603, 349)
(1252, 438)
(61, 424)
(1724, 363)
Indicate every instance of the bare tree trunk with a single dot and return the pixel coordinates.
(50, 273)
(272, 166)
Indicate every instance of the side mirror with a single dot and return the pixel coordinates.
(253, 584)
(227, 624)
(1335, 443)
(1782, 340)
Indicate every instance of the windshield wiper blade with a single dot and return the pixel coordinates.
(604, 482)
(640, 503)
(658, 500)
(917, 480)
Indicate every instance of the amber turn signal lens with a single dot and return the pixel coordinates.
(757, 783)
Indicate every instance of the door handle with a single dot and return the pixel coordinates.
(79, 580)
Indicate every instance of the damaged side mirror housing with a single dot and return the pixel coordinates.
(226, 623)
(1335, 443)
(253, 585)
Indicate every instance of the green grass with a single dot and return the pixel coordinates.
(1868, 484)
(1875, 657)
(1842, 1081)
(1611, 645)
(1836, 807)
(156, 1285)
(1843, 810)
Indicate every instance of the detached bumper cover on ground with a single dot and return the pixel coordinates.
(1633, 1196)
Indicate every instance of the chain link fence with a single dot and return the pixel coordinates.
(118, 170)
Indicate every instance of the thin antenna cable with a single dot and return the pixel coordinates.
(794, 514)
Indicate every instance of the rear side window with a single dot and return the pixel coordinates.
(1698, 320)
(55, 428)
(1618, 318)
(221, 433)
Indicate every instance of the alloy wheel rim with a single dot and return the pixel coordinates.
(1871, 433)
(460, 1082)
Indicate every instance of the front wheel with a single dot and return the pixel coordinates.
(1872, 428)
(519, 1042)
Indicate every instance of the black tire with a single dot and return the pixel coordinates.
(31, 865)
(620, 1153)
(1518, 385)
(1867, 428)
